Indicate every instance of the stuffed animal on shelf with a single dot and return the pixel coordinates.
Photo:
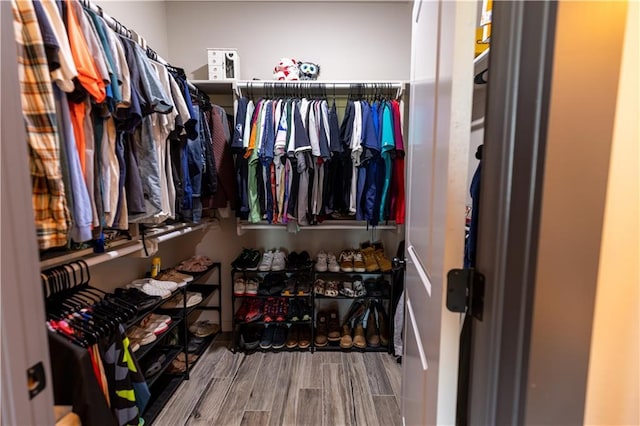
(287, 69)
(308, 70)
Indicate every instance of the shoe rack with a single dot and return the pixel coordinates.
(276, 296)
(378, 299)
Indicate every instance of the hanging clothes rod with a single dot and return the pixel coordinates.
(116, 26)
(299, 85)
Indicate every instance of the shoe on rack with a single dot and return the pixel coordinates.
(359, 340)
(240, 262)
(267, 261)
(292, 337)
(319, 287)
(267, 337)
(304, 337)
(346, 261)
(370, 262)
(346, 342)
(251, 287)
(281, 309)
(358, 261)
(305, 310)
(279, 337)
(304, 260)
(289, 287)
(333, 326)
(239, 287)
(332, 288)
(358, 287)
(347, 289)
(253, 260)
(321, 329)
(321, 261)
(383, 261)
(372, 286)
(373, 335)
(255, 311)
(383, 324)
(279, 262)
(243, 310)
(303, 287)
(204, 328)
(268, 310)
(294, 310)
(332, 263)
(250, 336)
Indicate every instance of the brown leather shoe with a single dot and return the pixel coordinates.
(333, 326)
(358, 337)
(304, 337)
(346, 342)
(292, 337)
(373, 335)
(321, 329)
(383, 325)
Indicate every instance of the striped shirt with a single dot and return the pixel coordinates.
(38, 107)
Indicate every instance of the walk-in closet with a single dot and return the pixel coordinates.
(299, 212)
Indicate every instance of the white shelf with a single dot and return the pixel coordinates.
(215, 87)
(123, 248)
(329, 225)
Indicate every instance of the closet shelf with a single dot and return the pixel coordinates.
(124, 247)
(215, 87)
(328, 225)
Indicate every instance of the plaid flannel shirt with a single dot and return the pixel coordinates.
(38, 107)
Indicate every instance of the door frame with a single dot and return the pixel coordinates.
(518, 94)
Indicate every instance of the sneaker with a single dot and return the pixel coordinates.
(282, 309)
(304, 260)
(267, 260)
(305, 310)
(252, 261)
(358, 261)
(240, 262)
(267, 337)
(346, 261)
(254, 311)
(239, 287)
(292, 260)
(321, 261)
(279, 263)
(268, 311)
(250, 337)
(289, 288)
(251, 287)
(243, 310)
(332, 263)
(304, 286)
(279, 337)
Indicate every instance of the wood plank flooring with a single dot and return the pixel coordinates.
(287, 388)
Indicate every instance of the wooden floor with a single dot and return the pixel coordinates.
(287, 388)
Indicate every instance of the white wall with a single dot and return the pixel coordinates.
(147, 18)
(613, 387)
(350, 40)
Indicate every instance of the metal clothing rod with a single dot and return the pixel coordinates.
(328, 86)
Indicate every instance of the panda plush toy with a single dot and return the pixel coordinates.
(308, 70)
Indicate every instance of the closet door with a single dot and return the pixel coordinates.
(439, 135)
(24, 343)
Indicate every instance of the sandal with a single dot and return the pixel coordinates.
(347, 289)
(331, 289)
(318, 287)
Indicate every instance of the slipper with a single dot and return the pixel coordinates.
(204, 328)
(164, 285)
(151, 290)
(155, 367)
(331, 289)
(140, 335)
(191, 358)
(177, 367)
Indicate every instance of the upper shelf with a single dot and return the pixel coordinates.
(328, 225)
(215, 87)
(123, 248)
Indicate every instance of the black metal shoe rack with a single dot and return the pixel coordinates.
(236, 302)
(164, 384)
(317, 302)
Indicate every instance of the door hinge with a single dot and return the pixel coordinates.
(465, 292)
(36, 379)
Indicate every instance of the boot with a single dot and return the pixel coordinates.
(321, 329)
(346, 342)
(333, 326)
(383, 325)
(358, 337)
(373, 336)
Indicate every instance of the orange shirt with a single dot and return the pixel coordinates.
(89, 78)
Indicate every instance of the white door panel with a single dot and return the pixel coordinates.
(438, 144)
